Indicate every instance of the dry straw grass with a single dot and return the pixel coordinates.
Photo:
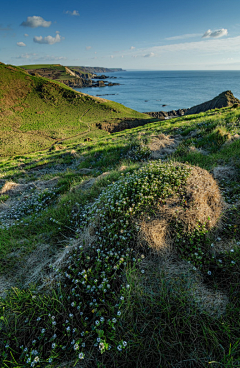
(163, 145)
(200, 203)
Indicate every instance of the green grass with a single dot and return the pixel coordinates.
(35, 112)
(160, 324)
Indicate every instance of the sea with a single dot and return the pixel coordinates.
(146, 91)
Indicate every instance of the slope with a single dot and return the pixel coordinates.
(35, 113)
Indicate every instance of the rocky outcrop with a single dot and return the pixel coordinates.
(225, 99)
(78, 82)
(167, 114)
(122, 125)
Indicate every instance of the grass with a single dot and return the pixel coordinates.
(36, 113)
(113, 301)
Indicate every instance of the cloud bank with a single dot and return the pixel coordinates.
(35, 22)
(215, 34)
(48, 40)
(88, 47)
(21, 44)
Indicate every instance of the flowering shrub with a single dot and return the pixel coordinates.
(91, 289)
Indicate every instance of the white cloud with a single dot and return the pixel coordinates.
(182, 37)
(208, 46)
(111, 56)
(21, 44)
(151, 54)
(35, 22)
(25, 34)
(48, 40)
(88, 47)
(74, 12)
(215, 34)
(132, 48)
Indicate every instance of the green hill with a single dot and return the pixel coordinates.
(35, 112)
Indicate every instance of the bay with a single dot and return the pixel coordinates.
(150, 90)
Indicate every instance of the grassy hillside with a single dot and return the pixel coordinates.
(124, 249)
(35, 112)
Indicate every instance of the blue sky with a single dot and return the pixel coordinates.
(150, 35)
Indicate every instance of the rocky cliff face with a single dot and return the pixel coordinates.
(223, 100)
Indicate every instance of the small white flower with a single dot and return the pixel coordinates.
(98, 339)
(114, 320)
(209, 272)
(124, 343)
(81, 356)
(119, 313)
(97, 322)
(53, 345)
(119, 347)
(43, 330)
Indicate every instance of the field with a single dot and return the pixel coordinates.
(122, 248)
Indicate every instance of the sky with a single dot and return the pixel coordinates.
(128, 34)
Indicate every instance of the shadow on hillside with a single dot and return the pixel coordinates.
(123, 124)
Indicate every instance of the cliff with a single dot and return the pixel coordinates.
(225, 99)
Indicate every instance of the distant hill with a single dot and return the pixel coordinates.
(225, 99)
(36, 112)
(72, 76)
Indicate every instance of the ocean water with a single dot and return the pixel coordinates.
(150, 90)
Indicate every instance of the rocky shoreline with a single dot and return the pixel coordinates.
(224, 99)
(94, 81)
